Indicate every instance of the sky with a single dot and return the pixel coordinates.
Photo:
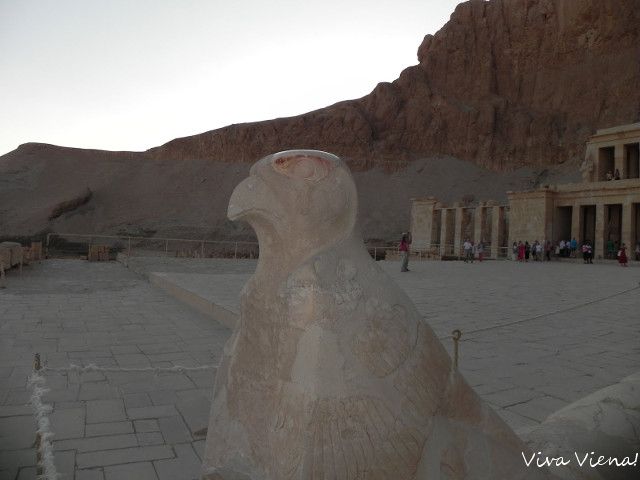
(134, 74)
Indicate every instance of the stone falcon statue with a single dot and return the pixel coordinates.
(331, 373)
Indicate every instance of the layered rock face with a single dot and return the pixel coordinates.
(504, 83)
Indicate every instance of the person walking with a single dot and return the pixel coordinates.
(514, 251)
(538, 251)
(611, 249)
(587, 252)
(574, 247)
(547, 250)
(405, 243)
(527, 250)
(480, 250)
(521, 251)
(622, 256)
(467, 246)
(637, 251)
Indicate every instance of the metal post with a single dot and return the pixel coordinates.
(36, 367)
(456, 334)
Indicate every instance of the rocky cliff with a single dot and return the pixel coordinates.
(505, 91)
(504, 83)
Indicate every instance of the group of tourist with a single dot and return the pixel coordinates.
(613, 176)
(536, 251)
(473, 250)
(539, 251)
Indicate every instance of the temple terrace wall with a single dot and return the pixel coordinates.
(604, 208)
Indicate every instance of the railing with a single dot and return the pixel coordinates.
(74, 244)
(450, 251)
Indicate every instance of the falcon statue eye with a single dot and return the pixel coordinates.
(304, 167)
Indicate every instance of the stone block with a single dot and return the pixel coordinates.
(109, 428)
(68, 423)
(132, 471)
(89, 474)
(151, 412)
(146, 426)
(100, 411)
(174, 430)
(133, 400)
(150, 438)
(17, 432)
(125, 455)
(185, 466)
(91, 444)
(65, 463)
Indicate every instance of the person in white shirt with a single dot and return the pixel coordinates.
(468, 251)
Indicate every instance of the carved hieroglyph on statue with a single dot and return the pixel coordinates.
(331, 373)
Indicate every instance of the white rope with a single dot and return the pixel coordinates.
(41, 412)
(543, 315)
(92, 367)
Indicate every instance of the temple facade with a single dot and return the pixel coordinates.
(604, 207)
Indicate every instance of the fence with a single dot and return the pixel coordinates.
(453, 252)
(73, 244)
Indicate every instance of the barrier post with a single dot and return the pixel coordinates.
(456, 334)
(36, 367)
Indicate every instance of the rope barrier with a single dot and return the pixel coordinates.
(547, 314)
(550, 314)
(46, 469)
(92, 367)
(457, 334)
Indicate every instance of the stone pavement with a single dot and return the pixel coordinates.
(124, 425)
(107, 425)
(574, 338)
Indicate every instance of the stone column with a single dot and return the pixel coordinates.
(457, 237)
(497, 218)
(599, 240)
(576, 224)
(628, 227)
(618, 160)
(444, 224)
(478, 214)
(422, 222)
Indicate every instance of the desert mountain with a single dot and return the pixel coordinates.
(503, 97)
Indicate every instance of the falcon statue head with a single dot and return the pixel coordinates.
(297, 201)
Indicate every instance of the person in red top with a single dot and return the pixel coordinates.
(405, 242)
(622, 256)
(521, 252)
